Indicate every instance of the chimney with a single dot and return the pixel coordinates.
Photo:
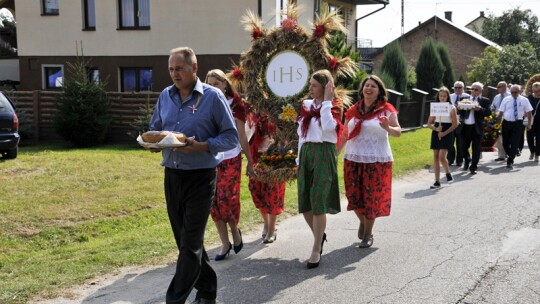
(482, 14)
(448, 16)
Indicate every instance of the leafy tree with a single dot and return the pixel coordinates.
(513, 27)
(395, 65)
(83, 118)
(480, 67)
(429, 68)
(513, 64)
(448, 77)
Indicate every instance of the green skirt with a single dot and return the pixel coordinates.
(318, 188)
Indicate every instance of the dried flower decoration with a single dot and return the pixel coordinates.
(319, 31)
(288, 24)
(238, 74)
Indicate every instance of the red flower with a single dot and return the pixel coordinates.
(237, 74)
(288, 24)
(256, 33)
(319, 31)
(332, 63)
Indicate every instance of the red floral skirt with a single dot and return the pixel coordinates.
(269, 198)
(368, 188)
(226, 204)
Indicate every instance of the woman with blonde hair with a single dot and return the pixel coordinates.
(225, 208)
(442, 136)
(318, 131)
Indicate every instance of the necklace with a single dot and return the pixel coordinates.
(194, 108)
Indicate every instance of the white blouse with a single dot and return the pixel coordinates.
(371, 145)
(325, 132)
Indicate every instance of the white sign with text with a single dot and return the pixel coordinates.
(440, 109)
(287, 73)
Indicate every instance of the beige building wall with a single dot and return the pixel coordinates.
(172, 25)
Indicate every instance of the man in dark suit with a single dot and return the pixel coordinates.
(473, 127)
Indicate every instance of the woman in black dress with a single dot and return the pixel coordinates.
(442, 136)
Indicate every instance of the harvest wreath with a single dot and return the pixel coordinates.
(250, 78)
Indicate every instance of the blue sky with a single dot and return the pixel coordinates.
(385, 25)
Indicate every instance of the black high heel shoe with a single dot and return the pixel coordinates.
(220, 257)
(311, 265)
(241, 245)
(323, 240)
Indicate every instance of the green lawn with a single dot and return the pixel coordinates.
(67, 215)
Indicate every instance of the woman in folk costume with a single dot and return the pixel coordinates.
(268, 197)
(226, 206)
(368, 156)
(318, 131)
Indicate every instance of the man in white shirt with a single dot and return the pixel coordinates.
(473, 127)
(502, 88)
(455, 152)
(513, 108)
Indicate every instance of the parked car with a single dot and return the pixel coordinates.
(9, 127)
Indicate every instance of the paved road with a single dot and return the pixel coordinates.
(474, 241)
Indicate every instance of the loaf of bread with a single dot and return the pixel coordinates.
(157, 136)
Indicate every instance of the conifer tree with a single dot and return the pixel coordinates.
(83, 118)
(429, 68)
(394, 65)
(448, 76)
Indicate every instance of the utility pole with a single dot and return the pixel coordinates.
(402, 21)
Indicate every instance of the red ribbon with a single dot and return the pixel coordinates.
(357, 111)
(306, 117)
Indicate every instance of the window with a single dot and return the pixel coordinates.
(134, 14)
(93, 74)
(136, 79)
(49, 7)
(52, 77)
(89, 14)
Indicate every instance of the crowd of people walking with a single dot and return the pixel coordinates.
(453, 135)
(202, 178)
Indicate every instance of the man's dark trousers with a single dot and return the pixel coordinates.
(189, 194)
(455, 153)
(511, 131)
(469, 137)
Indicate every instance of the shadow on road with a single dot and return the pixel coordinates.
(248, 280)
(262, 280)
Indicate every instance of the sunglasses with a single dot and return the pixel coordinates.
(458, 88)
(514, 92)
(476, 89)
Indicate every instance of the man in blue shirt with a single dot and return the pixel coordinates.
(200, 112)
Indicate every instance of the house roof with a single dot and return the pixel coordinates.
(465, 30)
(477, 18)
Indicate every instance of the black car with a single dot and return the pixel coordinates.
(9, 127)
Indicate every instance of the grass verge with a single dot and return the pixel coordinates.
(67, 215)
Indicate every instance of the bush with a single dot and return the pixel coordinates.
(82, 117)
(141, 124)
